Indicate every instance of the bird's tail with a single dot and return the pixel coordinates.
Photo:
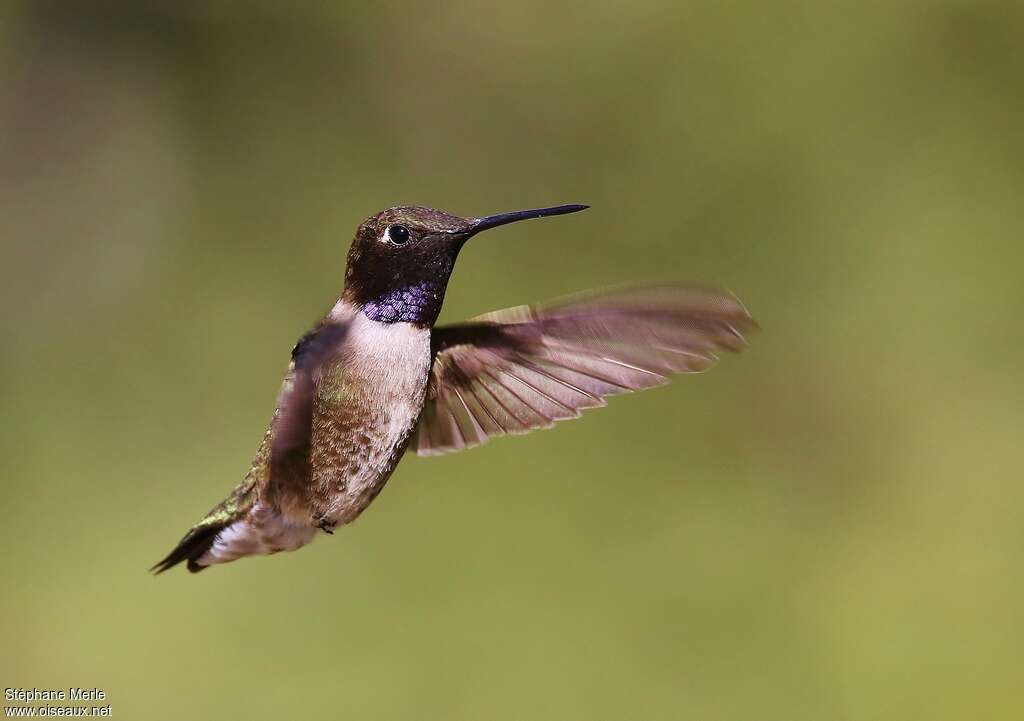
(201, 538)
(192, 547)
(224, 537)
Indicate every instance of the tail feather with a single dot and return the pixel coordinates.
(204, 534)
(191, 548)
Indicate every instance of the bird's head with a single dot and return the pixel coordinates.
(401, 259)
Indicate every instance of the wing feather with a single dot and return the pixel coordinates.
(292, 427)
(515, 370)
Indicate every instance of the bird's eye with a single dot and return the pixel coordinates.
(397, 234)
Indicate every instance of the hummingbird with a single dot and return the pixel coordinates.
(376, 377)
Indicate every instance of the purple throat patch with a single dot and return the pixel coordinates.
(417, 303)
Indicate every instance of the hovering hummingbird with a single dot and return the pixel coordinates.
(376, 376)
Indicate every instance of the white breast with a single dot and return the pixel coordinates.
(396, 355)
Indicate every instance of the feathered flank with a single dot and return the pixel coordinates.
(523, 368)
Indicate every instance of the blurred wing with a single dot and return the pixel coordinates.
(523, 368)
(293, 422)
(284, 450)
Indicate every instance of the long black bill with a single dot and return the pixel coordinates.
(493, 221)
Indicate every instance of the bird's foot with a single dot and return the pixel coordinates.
(326, 526)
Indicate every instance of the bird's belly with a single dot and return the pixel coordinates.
(371, 462)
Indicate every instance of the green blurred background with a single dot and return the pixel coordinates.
(826, 527)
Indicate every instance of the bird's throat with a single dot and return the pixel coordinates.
(418, 303)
